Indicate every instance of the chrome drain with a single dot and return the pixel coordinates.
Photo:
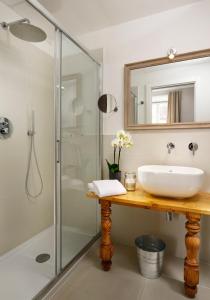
(41, 258)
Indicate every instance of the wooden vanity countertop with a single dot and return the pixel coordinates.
(199, 204)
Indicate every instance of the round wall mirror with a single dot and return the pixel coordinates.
(107, 103)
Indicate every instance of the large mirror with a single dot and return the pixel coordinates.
(164, 93)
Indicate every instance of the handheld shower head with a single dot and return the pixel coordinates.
(24, 30)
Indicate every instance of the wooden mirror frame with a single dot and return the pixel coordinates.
(155, 62)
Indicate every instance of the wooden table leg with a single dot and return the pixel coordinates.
(106, 250)
(191, 265)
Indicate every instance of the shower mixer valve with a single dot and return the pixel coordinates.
(31, 132)
(4, 127)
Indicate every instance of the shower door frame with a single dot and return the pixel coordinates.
(59, 271)
(57, 141)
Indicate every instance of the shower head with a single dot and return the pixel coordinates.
(23, 30)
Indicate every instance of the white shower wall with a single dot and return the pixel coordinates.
(26, 83)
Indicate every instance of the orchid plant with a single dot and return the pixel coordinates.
(121, 140)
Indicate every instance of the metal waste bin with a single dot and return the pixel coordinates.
(150, 252)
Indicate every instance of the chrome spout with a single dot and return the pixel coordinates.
(170, 146)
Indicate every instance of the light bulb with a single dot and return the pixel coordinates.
(171, 53)
(171, 56)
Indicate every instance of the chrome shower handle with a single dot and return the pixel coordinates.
(58, 151)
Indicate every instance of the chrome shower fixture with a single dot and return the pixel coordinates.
(170, 147)
(32, 153)
(24, 30)
(4, 127)
(193, 147)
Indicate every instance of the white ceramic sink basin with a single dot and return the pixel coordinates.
(170, 181)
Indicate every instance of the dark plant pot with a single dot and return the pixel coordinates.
(116, 175)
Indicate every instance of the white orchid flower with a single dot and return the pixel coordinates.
(120, 134)
(123, 139)
(129, 144)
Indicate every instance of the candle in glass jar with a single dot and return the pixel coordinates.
(130, 181)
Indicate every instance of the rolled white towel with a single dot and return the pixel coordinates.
(104, 188)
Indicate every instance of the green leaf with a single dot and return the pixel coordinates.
(114, 168)
(109, 165)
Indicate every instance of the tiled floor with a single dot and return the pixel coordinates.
(88, 282)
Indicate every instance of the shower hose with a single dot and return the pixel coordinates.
(32, 151)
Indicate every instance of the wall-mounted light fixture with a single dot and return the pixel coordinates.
(171, 53)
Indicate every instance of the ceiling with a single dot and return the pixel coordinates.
(82, 16)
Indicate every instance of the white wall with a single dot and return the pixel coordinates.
(26, 82)
(186, 29)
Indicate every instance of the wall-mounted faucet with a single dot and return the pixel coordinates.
(193, 147)
(170, 146)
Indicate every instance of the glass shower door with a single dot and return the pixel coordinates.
(79, 148)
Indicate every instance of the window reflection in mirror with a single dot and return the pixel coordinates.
(159, 106)
(170, 93)
(173, 104)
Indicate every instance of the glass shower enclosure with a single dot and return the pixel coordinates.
(77, 147)
(49, 92)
